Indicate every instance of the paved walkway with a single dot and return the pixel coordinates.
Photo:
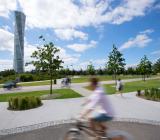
(63, 109)
(54, 110)
(74, 86)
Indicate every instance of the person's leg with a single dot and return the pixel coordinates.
(92, 124)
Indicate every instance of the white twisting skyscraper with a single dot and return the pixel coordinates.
(19, 42)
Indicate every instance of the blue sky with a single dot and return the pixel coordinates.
(84, 30)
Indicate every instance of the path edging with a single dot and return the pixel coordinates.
(60, 122)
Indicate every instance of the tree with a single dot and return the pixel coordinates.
(100, 71)
(131, 70)
(116, 62)
(156, 66)
(90, 69)
(46, 59)
(6, 73)
(145, 67)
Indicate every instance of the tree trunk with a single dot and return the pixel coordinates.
(51, 77)
(144, 77)
(115, 77)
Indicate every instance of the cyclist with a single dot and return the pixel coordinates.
(105, 111)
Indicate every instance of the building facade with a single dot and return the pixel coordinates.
(19, 42)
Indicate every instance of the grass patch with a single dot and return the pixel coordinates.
(83, 79)
(46, 82)
(65, 93)
(132, 86)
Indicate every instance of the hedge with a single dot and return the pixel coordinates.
(152, 94)
(24, 103)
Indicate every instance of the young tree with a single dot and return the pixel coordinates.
(145, 67)
(156, 66)
(90, 69)
(116, 62)
(45, 58)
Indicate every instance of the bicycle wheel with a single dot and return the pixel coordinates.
(119, 135)
(73, 135)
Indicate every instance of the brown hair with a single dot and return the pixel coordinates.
(94, 81)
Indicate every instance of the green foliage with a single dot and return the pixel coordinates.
(131, 70)
(156, 66)
(23, 103)
(152, 94)
(47, 59)
(100, 71)
(26, 77)
(116, 62)
(90, 69)
(145, 67)
(6, 73)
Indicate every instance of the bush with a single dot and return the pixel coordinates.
(23, 103)
(152, 94)
(26, 78)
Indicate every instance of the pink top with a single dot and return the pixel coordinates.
(98, 98)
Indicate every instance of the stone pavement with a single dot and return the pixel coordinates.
(138, 131)
(128, 107)
(64, 109)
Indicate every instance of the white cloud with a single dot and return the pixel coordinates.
(97, 63)
(156, 52)
(67, 14)
(6, 27)
(6, 64)
(68, 58)
(7, 44)
(6, 6)
(127, 10)
(70, 34)
(6, 40)
(131, 65)
(148, 31)
(82, 47)
(141, 40)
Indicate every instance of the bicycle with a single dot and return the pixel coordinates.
(79, 131)
(65, 83)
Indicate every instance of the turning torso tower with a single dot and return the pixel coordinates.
(19, 42)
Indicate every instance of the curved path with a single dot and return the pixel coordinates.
(139, 131)
(63, 109)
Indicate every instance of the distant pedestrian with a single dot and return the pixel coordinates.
(119, 86)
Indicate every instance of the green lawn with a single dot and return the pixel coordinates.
(134, 86)
(82, 79)
(65, 93)
(104, 78)
(46, 82)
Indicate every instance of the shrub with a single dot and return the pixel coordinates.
(152, 94)
(23, 103)
(26, 77)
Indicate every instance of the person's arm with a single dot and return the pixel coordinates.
(86, 102)
(87, 112)
(91, 107)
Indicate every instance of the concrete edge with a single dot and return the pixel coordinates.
(57, 123)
